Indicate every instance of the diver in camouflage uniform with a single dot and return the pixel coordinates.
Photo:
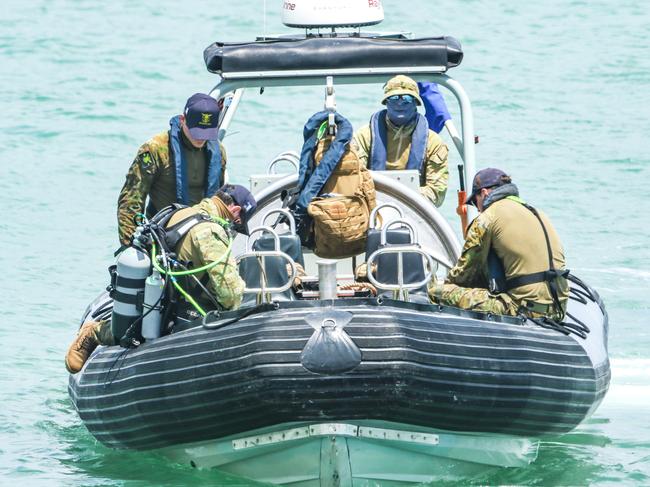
(182, 165)
(399, 138)
(510, 244)
(206, 242)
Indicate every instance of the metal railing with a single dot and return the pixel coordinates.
(401, 289)
(264, 291)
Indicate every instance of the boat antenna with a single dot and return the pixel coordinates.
(264, 19)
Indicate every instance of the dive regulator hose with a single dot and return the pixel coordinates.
(174, 274)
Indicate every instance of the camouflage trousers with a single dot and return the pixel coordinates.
(475, 299)
(104, 333)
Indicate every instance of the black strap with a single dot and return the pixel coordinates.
(119, 251)
(129, 283)
(176, 232)
(162, 217)
(535, 277)
(552, 282)
(135, 299)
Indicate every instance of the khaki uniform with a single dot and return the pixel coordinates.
(434, 165)
(517, 237)
(206, 243)
(153, 174)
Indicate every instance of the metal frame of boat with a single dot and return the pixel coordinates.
(412, 392)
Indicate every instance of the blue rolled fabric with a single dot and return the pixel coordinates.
(379, 142)
(435, 107)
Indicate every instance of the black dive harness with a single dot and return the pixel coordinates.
(499, 284)
(169, 238)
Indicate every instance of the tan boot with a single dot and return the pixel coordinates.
(87, 340)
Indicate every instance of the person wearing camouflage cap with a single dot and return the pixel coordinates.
(512, 261)
(398, 137)
(206, 242)
(181, 165)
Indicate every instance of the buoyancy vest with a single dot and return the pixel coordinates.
(497, 278)
(379, 142)
(213, 177)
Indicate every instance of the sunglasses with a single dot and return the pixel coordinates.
(406, 98)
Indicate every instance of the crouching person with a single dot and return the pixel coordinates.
(207, 241)
(512, 261)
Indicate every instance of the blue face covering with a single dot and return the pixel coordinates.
(401, 112)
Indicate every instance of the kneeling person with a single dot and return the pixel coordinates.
(523, 240)
(206, 242)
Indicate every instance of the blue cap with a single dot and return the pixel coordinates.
(487, 178)
(244, 199)
(202, 117)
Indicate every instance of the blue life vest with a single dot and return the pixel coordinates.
(312, 178)
(379, 144)
(213, 180)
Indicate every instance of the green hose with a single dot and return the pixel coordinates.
(187, 297)
(206, 267)
(172, 274)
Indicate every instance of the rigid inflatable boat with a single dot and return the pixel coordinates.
(342, 386)
(300, 390)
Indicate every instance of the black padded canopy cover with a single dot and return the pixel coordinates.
(325, 53)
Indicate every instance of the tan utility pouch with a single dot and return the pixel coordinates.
(340, 225)
(341, 220)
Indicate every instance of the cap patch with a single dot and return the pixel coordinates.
(206, 119)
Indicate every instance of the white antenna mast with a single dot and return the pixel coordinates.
(264, 19)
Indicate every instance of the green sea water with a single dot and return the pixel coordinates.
(561, 98)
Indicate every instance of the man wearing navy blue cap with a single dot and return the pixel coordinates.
(512, 261)
(181, 165)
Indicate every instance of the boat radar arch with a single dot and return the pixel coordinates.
(313, 14)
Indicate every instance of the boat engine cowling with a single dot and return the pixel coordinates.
(133, 268)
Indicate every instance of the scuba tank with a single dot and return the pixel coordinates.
(154, 288)
(133, 267)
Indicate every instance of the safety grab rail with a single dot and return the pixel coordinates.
(264, 292)
(288, 156)
(375, 211)
(406, 223)
(287, 214)
(401, 289)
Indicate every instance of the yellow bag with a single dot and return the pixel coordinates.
(341, 219)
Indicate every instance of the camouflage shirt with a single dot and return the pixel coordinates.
(206, 243)
(436, 173)
(517, 237)
(152, 174)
